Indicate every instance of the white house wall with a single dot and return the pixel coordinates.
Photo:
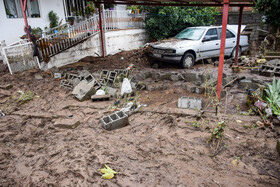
(12, 28)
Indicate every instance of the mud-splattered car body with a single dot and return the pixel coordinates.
(196, 43)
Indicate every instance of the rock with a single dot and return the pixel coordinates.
(57, 75)
(67, 123)
(38, 77)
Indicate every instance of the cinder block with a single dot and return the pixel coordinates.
(84, 90)
(112, 75)
(100, 97)
(83, 74)
(66, 84)
(104, 74)
(189, 102)
(114, 121)
(174, 76)
(111, 91)
(121, 71)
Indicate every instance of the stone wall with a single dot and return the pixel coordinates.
(253, 30)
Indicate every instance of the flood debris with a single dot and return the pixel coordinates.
(6, 87)
(2, 114)
(115, 120)
(190, 102)
(265, 101)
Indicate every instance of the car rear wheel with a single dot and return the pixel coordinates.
(187, 60)
(234, 51)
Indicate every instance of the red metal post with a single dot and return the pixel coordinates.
(222, 49)
(101, 30)
(23, 4)
(238, 36)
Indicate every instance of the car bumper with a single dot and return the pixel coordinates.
(173, 58)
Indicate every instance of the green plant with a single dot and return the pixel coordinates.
(272, 96)
(25, 96)
(250, 126)
(271, 10)
(36, 30)
(89, 8)
(53, 18)
(167, 21)
(216, 137)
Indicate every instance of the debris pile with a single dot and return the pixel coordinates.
(265, 101)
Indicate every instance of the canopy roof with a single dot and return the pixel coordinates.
(247, 3)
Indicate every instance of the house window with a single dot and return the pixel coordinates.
(13, 9)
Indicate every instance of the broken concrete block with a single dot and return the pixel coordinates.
(111, 91)
(57, 75)
(247, 84)
(112, 75)
(174, 77)
(85, 89)
(164, 76)
(157, 86)
(83, 74)
(67, 123)
(190, 87)
(114, 121)
(100, 97)
(189, 102)
(66, 84)
(38, 77)
(199, 90)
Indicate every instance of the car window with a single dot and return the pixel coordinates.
(211, 34)
(191, 34)
(229, 33)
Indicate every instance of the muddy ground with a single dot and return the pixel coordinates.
(161, 146)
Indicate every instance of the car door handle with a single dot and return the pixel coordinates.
(217, 43)
(233, 42)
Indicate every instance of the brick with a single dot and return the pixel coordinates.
(190, 87)
(100, 97)
(189, 102)
(114, 121)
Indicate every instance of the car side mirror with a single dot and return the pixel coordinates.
(206, 38)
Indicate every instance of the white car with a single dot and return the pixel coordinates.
(196, 43)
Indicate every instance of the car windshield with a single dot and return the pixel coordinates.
(191, 34)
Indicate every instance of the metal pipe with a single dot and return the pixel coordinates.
(222, 49)
(101, 30)
(238, 36)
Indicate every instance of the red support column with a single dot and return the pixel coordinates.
(23, 4)
(238, 36)
(101, 30)
(222, 49)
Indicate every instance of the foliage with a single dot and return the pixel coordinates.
(25, 96)
(167, 21)
(89, 8)
(271, 9)
(272, 96)
(216, 138)
(36, 30)
(53, 18)
(108, 6)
